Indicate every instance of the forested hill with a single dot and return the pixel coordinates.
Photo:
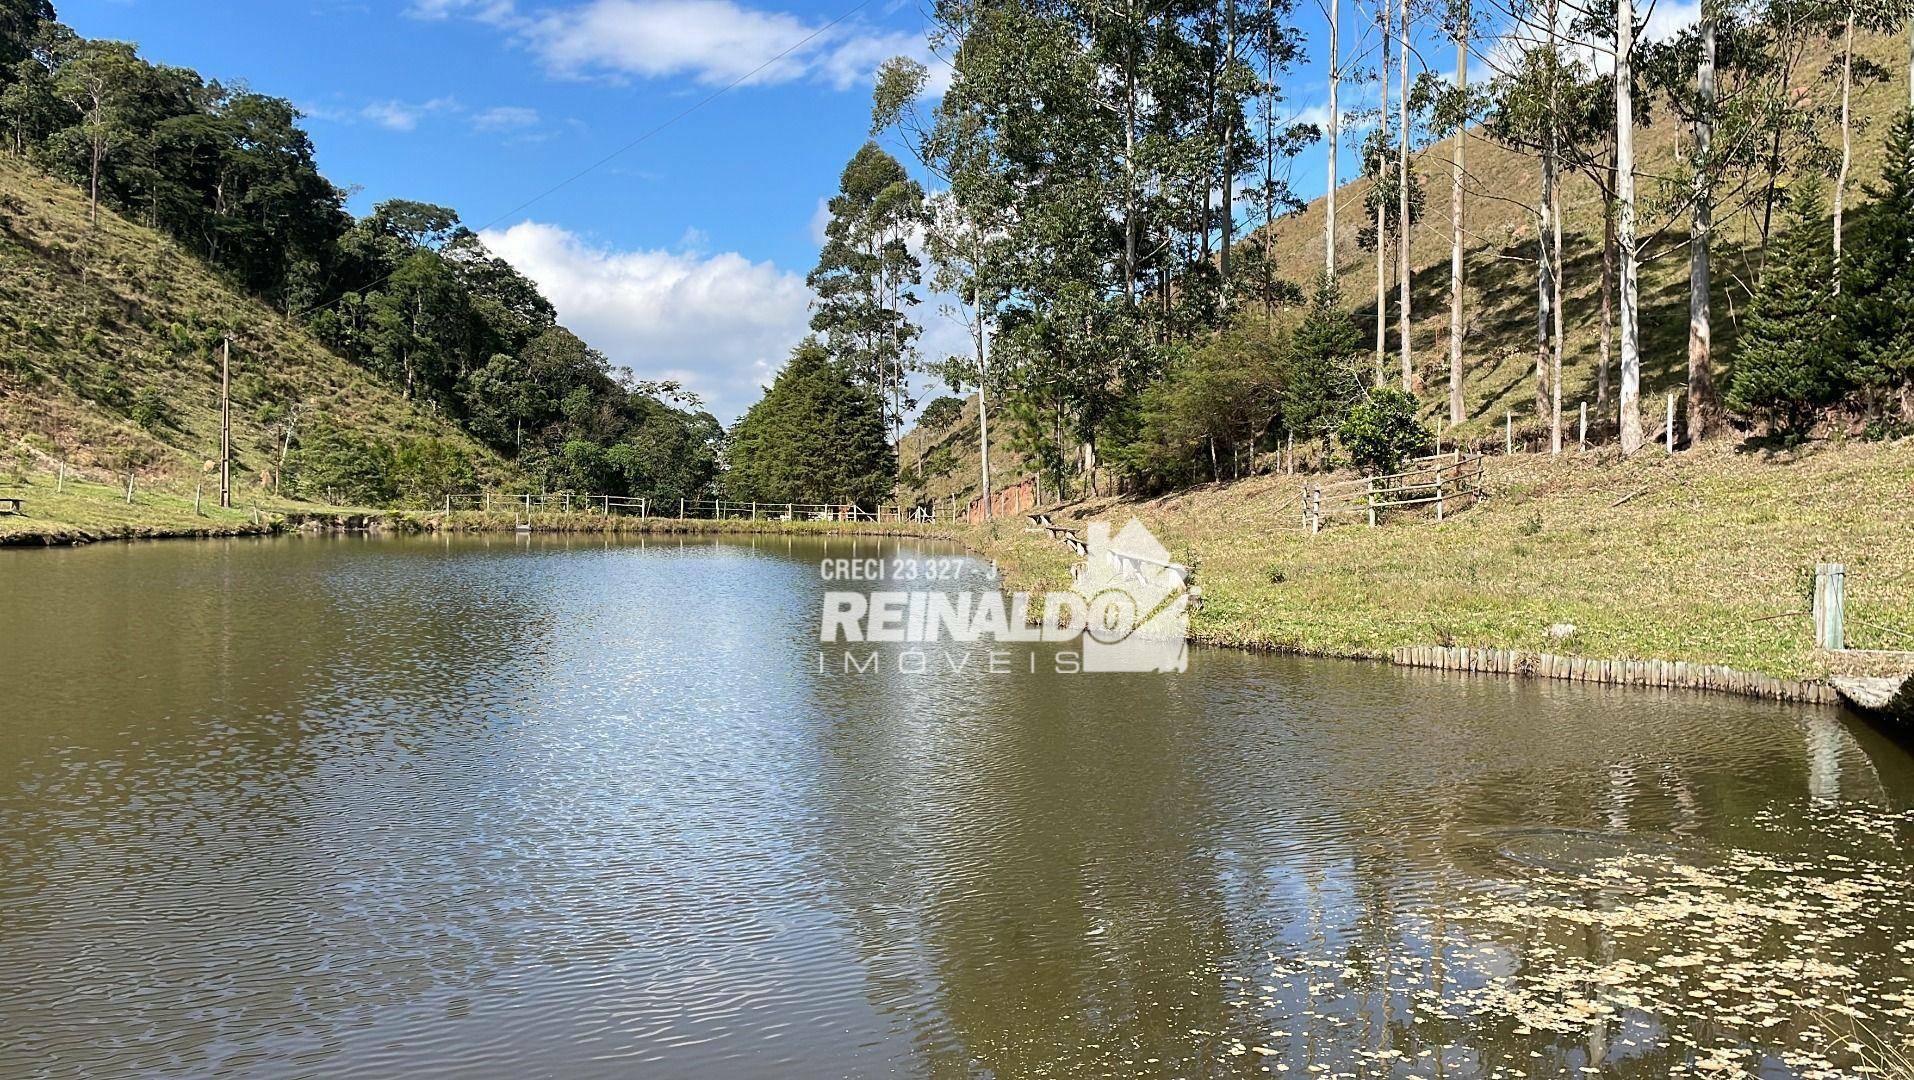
(109, 343)
(939, 458)
(149, 214)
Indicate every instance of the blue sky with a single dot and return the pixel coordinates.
(685, 256)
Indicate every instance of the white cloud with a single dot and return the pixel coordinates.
(720, 323)
(714, 42)
(394, 115)
(505, 118)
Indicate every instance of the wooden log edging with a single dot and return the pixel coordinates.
(1664, 674)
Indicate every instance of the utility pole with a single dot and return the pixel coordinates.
(226, 423)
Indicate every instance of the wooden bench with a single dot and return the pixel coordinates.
(11, 505)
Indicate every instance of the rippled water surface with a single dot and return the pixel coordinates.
(525, 806)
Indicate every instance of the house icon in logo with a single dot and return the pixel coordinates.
(1137, 599)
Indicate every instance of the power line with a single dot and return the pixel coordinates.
(628, 147)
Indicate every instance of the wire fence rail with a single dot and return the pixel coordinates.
(527, 504)
(1439, 481)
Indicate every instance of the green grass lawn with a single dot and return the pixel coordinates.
(92, 511)
(1707, 558)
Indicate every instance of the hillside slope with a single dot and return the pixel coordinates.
(109, 357)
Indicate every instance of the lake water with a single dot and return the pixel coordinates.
(535, 806)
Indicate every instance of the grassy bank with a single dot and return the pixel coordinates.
(1703, 557)
(84, 512)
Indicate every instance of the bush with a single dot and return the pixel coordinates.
(1382, 432)
(425, 471)
(151, 410)
(340, 465)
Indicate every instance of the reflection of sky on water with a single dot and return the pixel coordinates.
(504, 805)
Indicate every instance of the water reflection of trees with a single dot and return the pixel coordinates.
(1295, 850)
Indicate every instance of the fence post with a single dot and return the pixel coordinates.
(485, 501)
(1830, 603)
(1584, 431)
(1508, 433)
(1671, 423)
(1438, 493)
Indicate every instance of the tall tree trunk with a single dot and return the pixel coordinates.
(1229, 147)
(1607, 358)
(1335, 137)
(1702, 404)
(1544, 291)
(1631, 419)
(1382, 215)
(1404, 272)
(1456, 282)
(1548, 400)
(1129, 194)
(1555, 351)
(1847, 140)
(983, 407)
(93, 201)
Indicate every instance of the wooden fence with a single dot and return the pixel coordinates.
(1432, 481)
(527, 504)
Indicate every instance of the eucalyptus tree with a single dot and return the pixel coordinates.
(1455, 121)
(100, 81)
(1335, 138)
(1405, 136)
(1531, 114)
(963, 223)
(1879, 16)
(1631, 414)
(867, 274)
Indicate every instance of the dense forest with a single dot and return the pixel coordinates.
(1105, 187)
(407, 292)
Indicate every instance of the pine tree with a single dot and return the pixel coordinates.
(1322, 382)
(815, 437)
(1789, 360)
(1881, 312)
